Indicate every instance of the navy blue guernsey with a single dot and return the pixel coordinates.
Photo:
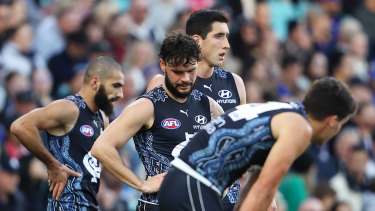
(227, 146)
(221, 87)
(174, 124)
(73, 150)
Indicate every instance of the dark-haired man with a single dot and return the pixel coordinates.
(161, 120)
(209, 28)
(271, 135)
(71, 126)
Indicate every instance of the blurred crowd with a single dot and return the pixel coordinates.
(279, 47)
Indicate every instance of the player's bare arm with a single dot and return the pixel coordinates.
(292, 134)
(58, 118)
(215, 108)
(157, 80)
(138, 115)
(240, 88)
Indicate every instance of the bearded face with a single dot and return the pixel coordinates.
(103, 102)
(173, 88)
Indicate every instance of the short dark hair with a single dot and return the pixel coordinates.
(289, 60)
(102, 67)
(335, 61)
(178, 48)
(200, 22)
(328, 96)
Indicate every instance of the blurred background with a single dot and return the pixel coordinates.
(278, 47)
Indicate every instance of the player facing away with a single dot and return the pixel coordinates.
(271, 135)
(160, 121)
(71, 126)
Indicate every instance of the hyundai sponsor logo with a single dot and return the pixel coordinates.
(225, 93)
(200, 119)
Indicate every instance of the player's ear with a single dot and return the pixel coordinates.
(95, 83)
(332, 120)
(162, 65)
(197, 38)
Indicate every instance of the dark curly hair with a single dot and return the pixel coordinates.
(180, 49)
(200, 22)
(328, 96)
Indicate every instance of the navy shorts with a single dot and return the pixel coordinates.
(180, 191)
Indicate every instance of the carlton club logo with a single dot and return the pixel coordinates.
(170, 123)
(87, 130)
(225, 93)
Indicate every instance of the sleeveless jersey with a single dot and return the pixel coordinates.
(73, 150)
(227, 146)
(174, 124)
(221, 87)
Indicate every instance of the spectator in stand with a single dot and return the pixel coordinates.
(17, 54)
(64, 65)
(51, 32)
(10, 197)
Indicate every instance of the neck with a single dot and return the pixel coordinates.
(317, 127)
(205, 70)
(88, 97)
(178, 99)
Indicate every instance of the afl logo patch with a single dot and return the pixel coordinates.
(225, 93)
(87, 130)
(170, 123)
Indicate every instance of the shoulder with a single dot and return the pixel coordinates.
(63, 108)
(240, 87)
(141, 103)
(158, 94)
(238, 80)
(215, 108)
(155, 81)
(291, 123)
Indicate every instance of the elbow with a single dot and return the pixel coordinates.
(15, 127)
(95, 151)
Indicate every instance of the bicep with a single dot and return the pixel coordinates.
(57, 114)
(134, 117)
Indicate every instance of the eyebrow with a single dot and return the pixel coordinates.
(180, 71)
(117, 84)
(222, 33)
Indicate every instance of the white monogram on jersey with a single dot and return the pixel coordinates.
(92, 166)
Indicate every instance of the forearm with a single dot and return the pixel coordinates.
(257, 199)
(109, 157)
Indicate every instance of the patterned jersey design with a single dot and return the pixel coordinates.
(174, 124)
(73, 150)
(240, 138)
(221, 87)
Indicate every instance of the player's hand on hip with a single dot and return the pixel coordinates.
(152, 184)
(57, 178)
